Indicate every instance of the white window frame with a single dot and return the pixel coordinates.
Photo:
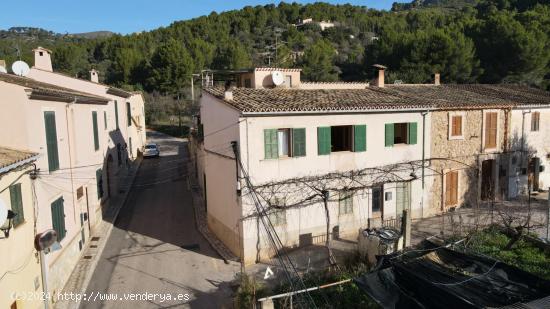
(450, 127)
(350, 196)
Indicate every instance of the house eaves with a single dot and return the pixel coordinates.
(119, 92)
(11, 159)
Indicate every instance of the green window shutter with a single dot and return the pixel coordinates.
(299, 142)
(58, 218)
(389, 134)
(51, 141)
(17, 204)
(96, 135)
(99, 182)
(270, 144)
(128, 113)
(323, 140)
(105, 119)
(412, 133)
(360, 138)
(116, 114)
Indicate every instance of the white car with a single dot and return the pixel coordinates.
(151, 150)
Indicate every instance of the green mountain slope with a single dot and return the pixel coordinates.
(476, 41)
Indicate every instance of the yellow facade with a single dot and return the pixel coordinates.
(20, 274)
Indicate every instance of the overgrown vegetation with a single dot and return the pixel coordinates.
(248, 292)
(522, 254)
(486, 41)
(346, 295)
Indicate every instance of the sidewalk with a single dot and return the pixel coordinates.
(84, 269)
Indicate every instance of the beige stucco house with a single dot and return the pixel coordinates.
(20, 271)
(293, 133)
(445, 146)
(86, 134)
(65, 128)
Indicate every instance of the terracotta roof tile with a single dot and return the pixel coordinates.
(249, 100)
(293, 100)
(10, 156)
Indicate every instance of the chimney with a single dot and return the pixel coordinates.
(94, 76)
(437, 79)
(43, 59)
(228, 95)
(379, 80)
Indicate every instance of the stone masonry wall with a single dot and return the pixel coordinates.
(463, 155)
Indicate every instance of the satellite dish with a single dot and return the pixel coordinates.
(3, 213)
(20, 68)
(277, 77)
(45, 240)
(3, 70)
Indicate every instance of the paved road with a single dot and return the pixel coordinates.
(155, 247)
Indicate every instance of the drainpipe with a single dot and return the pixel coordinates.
(423, 159)
(70, 155)
(523, 144)
(42, 259)
(44, 269)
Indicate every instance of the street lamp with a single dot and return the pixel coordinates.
(6, 227)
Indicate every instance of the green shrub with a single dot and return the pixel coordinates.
(522, 254)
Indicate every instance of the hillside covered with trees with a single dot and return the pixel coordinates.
(489, 41)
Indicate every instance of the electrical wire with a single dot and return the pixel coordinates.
(275, 240)
(469, 279)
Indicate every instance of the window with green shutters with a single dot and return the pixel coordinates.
(271, 147)
(58, 218)
(17, 204)
(128, 113)
(360, 138)
(96, 134)
(400, 133)
(99, 182)
(389, 134)
(412, 133)
(116, 114)
(51, 141)
(323, 140)
(299, 142)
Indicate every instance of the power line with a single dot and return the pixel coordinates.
(284, 260)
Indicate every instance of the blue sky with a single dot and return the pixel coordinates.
(125, 16)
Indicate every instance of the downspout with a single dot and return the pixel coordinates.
(42, 256)
(523, 145)
(70, 156)
(423, 160)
